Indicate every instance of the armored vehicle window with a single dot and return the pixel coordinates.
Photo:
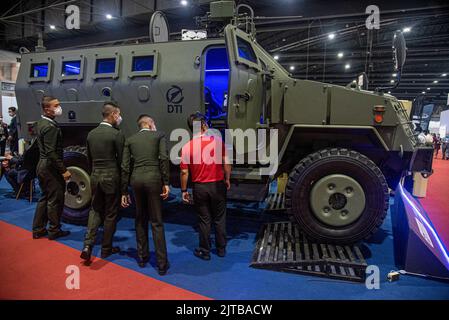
(246, 50)
(71, 68)
(105, 65)
(39, 70)
(143, 63)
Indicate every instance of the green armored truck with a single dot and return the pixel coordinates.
(342, 147)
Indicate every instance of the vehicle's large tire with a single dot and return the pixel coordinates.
(75, 159)
(337, 196)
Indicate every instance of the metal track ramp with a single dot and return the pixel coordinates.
(282, 247)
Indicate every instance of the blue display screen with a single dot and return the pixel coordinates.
(246, 50)
(39, 70)
(105, 65)
(71, 68)
(143, 63)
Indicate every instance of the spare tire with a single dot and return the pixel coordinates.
(337, 196)
(78, 190)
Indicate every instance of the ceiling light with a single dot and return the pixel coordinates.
(292, 68)
(407, 29)
(108, 16)
(428, 89)
(331, 36)
(340, 55)
(276, 57)
(52, 27)
(423, 92)
(392, 81)
(394, 74)
(389, 92)
(444, 75)
(347, 66)
(436, 81)
(184, 2)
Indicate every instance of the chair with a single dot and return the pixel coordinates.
(31, 190)
(27, 171)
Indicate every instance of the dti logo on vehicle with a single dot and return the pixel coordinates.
(174, 98)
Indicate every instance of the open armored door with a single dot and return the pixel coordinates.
(245, 81)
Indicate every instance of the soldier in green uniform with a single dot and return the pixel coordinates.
(51, 173)
(147, 152)
(104, 151)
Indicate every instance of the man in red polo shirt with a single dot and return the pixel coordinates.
(204, 157)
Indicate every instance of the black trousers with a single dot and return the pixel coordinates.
(2, 148)
(50, 205)
(105, 206)
(210, 203)
(149, 208)
(14, 146)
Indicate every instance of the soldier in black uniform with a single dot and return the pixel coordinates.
(150, 177)
(51, 173)
(104, 151)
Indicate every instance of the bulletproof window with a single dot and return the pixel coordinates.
(143, 63)
(246, 50)
(71, 68)
(39, 70)
(105, 66)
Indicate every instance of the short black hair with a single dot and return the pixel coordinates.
(108, 108)
(46, 101)
(141, 117)
(197, 116)
(13, 109)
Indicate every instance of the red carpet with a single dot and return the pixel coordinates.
(436, 202)
(35, 269)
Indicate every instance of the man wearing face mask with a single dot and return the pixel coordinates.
(146, 166)
(104, 151)
(51, 172)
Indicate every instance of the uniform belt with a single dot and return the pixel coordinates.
(104, 162)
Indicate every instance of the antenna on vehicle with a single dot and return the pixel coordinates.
(399, 55)
(40, 43)
(159, 30)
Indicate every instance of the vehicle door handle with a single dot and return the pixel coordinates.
(244, 96)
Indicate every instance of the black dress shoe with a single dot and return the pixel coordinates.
(201, 254)
(58, 234)
(221, 252)
(38, 235)
(105, 254)
(143, 262)
(86, 253)
(163, 271)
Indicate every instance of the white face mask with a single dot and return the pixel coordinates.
(119, 120)
(58, 111)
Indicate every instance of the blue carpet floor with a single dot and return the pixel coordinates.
(231, 277)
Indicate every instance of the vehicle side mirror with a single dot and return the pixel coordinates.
(399, 50)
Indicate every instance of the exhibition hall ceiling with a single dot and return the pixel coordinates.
(325, 41)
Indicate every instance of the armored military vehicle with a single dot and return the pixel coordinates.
(342, 147)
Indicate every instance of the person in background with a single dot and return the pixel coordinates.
(211, 180)
(13, 131)
(14, 173)
(436, 144)
(145, 159)
(51, 172)
(3, 136)
(104, 152)
(445, 147)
